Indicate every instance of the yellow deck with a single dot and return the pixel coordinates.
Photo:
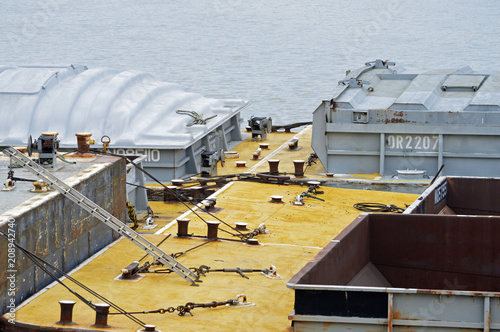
(297, 234)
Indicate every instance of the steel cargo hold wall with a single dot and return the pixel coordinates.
(424, 272)
(459, 195)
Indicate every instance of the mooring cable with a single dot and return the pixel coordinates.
(41, 263)
(241, 235)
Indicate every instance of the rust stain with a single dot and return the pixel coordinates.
(397, 315)
(327, 326)
(394, 120)
(399, 114)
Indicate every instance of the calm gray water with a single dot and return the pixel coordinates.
(284, 56)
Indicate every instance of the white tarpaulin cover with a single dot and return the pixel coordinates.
(135, 109)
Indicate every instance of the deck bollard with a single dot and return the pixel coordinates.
(101, 315)
(276, 199)
(213, 228)
(293, 144)
(273, 166)
(241, 226)
(83, 142)
(256, 154)
(299, 167)
(177, 182)
(182, 227)
(169, 193)
(66, 312)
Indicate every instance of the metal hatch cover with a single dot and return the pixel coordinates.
(461, 81)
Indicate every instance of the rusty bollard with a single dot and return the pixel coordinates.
(253, 242)
(83, 142)
(293, 144)
(276, 199)
(299, 167)
(273, 166)
(66, 312)
(101, 315)
(241, 226)
(177, 182)
(213, 229)
(182, 227)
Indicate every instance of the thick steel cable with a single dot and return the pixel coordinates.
(241, 235)
(41, 263)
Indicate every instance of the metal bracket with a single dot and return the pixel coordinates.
(354, 83)
(380, 64)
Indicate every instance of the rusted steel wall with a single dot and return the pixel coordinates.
(341, 259)
(62, 233)
(434, 252)
(461, 195)
(444, 273)
(432, 200)
(478, 196)
(413, 251)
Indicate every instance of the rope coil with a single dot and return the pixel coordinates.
(378, 207)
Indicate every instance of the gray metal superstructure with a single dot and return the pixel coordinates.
(381, 119)
(137, 111)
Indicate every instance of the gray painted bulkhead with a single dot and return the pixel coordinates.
(382, 121)
(168, 164)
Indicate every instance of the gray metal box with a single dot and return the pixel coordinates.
(382, 119)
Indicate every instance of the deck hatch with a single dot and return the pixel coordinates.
(459, 82)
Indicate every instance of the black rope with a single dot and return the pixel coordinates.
(241, 235)
(41, 263)
(377, 207)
